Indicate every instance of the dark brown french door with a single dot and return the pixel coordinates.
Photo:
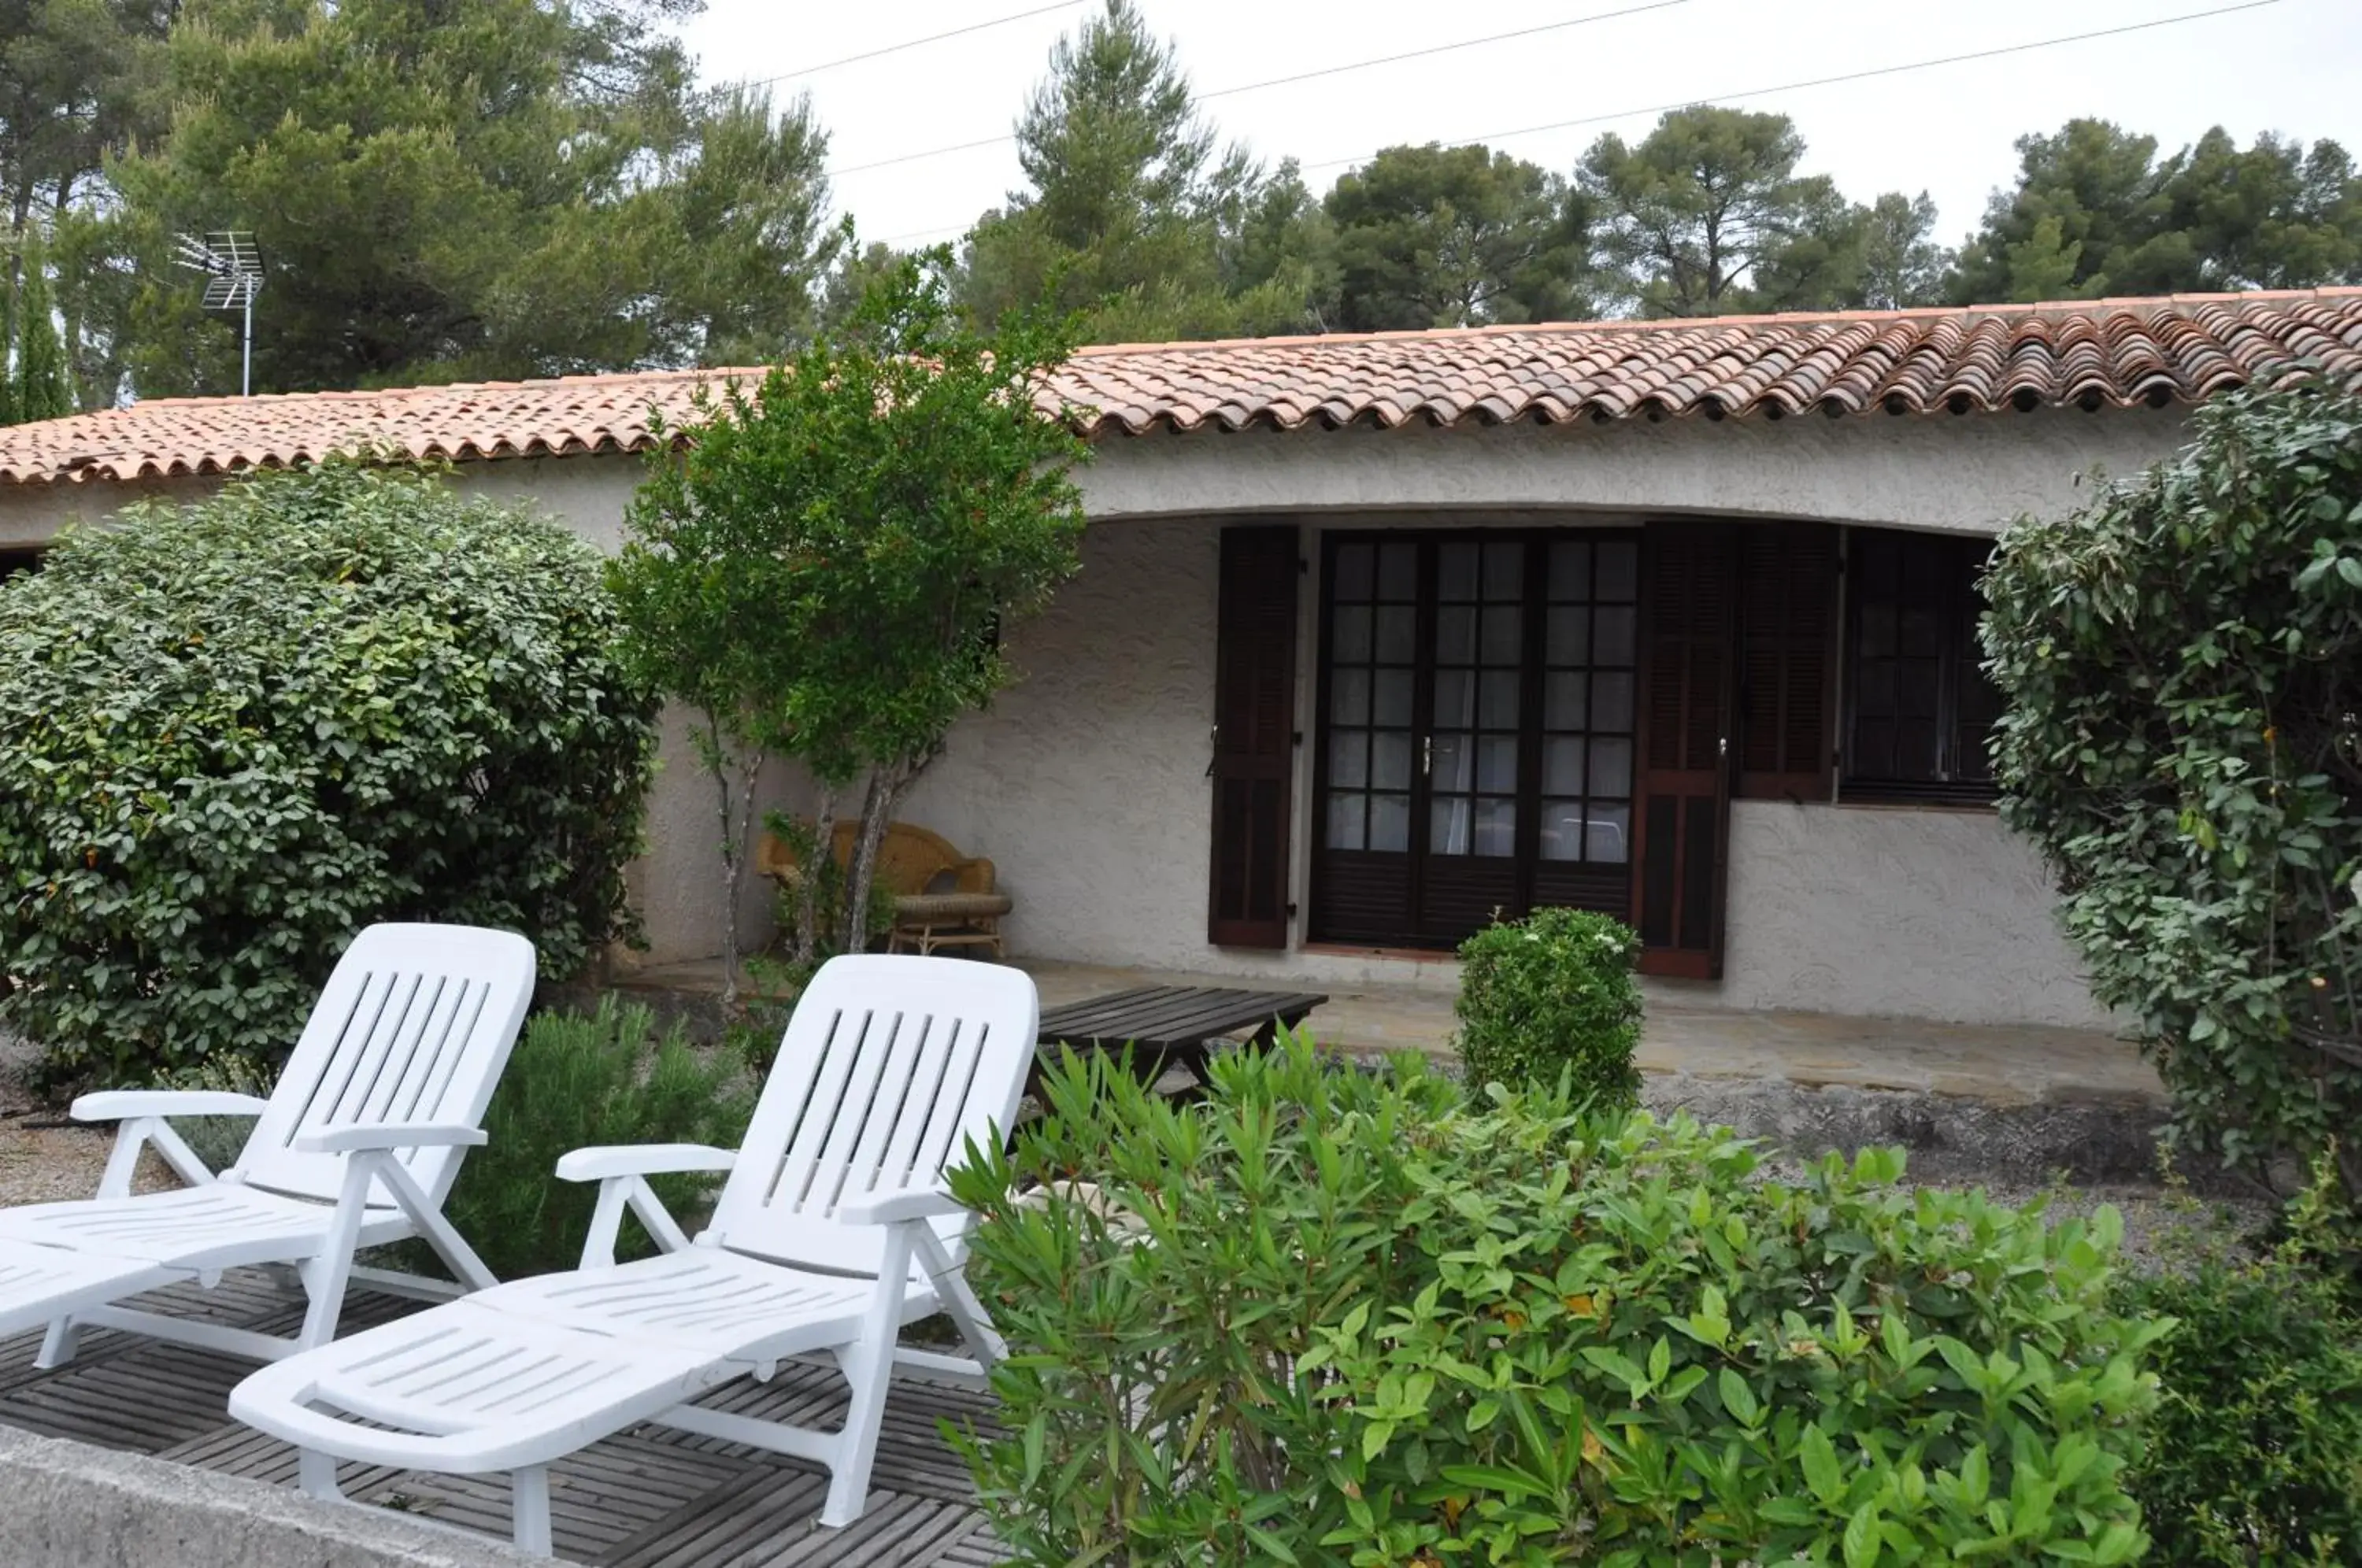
(1478, 693)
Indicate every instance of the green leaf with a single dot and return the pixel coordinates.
(1738, 1397)
(1821, 1473)
(1862, 1540)
(1269, 1544)
(1618, 1365)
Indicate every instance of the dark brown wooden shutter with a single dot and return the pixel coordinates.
(1787, 620)
(1254, 737)
(1689, 623)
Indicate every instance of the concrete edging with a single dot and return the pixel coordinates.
(68, 1505)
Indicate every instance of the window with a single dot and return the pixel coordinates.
(1475, 737)
(1589, 646)
(1373, 649)
(1918, 705)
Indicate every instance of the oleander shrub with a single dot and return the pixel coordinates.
(1552, 994)
(2254, 1452)
(578, 1080)
(234, 733)
(2183, 661)
(1326, 1317)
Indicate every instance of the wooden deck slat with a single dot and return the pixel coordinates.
(1176, 1016)
(767, 1503)
(1161, 1016)
(651, 1497)
(240, 1451)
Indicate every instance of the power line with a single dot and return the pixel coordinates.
(913, 43)
(1832, 81)
(1439, 49)
(1729, 97)
(915, 156)
(1299, 76)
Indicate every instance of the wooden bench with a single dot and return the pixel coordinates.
(941, 897)
(1174, 1025)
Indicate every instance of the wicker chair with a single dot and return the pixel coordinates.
(941, 897)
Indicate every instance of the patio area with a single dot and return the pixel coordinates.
(2014, 1066)
(646, 1498)
(1971, 1103)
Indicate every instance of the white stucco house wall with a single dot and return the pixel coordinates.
(1548, 516)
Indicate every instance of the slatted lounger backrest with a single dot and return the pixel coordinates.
(414, 1025)
(889, 1067)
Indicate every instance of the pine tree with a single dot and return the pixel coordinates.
(1707, 216)
(1133, 214)
(1453, 237)
(2096, 211)
(8, 338)
(445, 192)
(1902, 264)
(44, 391)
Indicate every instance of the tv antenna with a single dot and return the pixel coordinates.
(232, 270)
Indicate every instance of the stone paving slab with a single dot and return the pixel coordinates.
(650, 1498)
(2012, 1066)
(2002, 1066)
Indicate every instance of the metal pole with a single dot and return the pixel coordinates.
(246, 375)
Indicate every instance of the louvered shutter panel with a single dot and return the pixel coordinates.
(1787, 639)
(1254, 737)
(1682, 818)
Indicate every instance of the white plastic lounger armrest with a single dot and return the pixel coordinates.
(122, 1105)
(607, 1163)
(390, 1135)
(893, 1207)
(622, 1173)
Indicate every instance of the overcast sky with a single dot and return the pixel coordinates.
(2293, 66)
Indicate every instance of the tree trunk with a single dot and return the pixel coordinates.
(816, 859)
(727, 763)
(886, 782)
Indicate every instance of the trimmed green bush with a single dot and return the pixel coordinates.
(2254, 1451)
(576, 1080)
(234, 733)
(1552, 994)
(1331, 1317)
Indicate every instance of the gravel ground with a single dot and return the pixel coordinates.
(42, 1162)
(2159, 1224)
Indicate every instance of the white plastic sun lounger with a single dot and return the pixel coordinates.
(832, 1234)
(357, 1146)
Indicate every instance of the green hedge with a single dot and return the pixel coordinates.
(1550, 995)
(234, 733)
(1331, 1318)
(2254, 1451)
(2182, 658)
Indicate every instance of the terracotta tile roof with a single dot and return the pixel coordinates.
(2087, 354)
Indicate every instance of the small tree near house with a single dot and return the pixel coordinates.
(2183, 661)
(822, 568)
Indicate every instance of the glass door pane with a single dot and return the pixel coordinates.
(1474, 744)
(1590, 651)
(1373, 654)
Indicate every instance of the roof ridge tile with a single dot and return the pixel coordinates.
(2113, 352)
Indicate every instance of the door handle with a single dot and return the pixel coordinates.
(1427, 756)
